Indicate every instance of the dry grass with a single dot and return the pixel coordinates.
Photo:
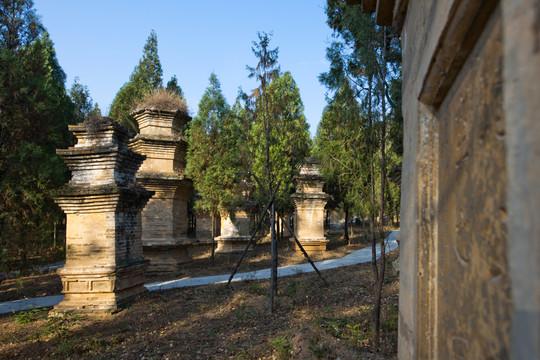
(93, 123)
(214, 322)
(162, 99)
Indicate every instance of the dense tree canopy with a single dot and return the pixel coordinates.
(365, 65)
(34, 113)
(279, 133)
(287, 133)
(214, 161)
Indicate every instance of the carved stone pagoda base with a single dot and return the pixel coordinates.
(166, 259)
(99, 290)
(311, 244)
(232, 244)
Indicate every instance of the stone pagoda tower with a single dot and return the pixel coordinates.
(309, 202)
(165, 218)
(102, 201)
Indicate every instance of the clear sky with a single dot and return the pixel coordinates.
(101, 41)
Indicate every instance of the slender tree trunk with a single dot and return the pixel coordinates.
(273, 244)
(278, 228)
(281, 227)
(376, 298)
(213, 236)
(55, 231)
(346, 229)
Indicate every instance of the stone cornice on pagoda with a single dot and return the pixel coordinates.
(113, 198)
(160, 122)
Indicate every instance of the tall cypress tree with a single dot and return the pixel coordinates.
(34, 113)
(146, 76)
(287, 132)
(214, 159)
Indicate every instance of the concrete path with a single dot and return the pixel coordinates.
(357, 257)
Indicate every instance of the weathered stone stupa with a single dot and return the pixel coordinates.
(102, 201)
(203, 230)
(309, 202)
(235, 232)
(165, 218)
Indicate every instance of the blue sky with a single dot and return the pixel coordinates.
(101, 42)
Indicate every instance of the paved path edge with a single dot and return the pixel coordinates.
(360, 256)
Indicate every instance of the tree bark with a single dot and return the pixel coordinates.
(346, 228)
(213, 236)
(273, 244)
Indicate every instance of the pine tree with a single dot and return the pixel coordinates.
(34, 113)
(80, 96)
(214, 160)
(146, 76)
(172, 86)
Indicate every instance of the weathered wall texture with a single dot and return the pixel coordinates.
(104, 258)
(470, 255)
(473, 296)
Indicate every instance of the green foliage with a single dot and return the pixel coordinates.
(320, 351)
(345, 328)
(363, 112)
(172, 86)
(267, 68)
(287, 133)
(282, 346)
(214, 159)
(279, 137)
(34, 113)
(365, 64)
(60, 325)
(29, 316)
(82, 101)
(146, 76)
(244, 312)
(340, 145)
(257, 289)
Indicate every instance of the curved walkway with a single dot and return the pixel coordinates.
(357, 257)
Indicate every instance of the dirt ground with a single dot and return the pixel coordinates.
(259, 258)
(214, 322)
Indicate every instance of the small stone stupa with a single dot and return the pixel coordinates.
(165, 218)
(309, 202)
(102, 201)
(235, 232)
